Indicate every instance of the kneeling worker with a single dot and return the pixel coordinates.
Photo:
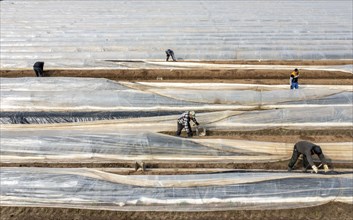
(184, 122)
(307, 149)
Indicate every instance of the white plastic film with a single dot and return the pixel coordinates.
(90, 188)
(77, 94)
(97, 145)
(88, 32)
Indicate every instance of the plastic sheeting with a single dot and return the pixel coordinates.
(63, 144)
(256, 95)
(130, 135)
(117, 145)
(72, 94)
(76, 94)
(319, 118)
(89, 188)
(67, 117)
(314, 117)
(90, 31)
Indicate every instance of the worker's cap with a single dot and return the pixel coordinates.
(192, 114)
(296, 70)
(317, 150)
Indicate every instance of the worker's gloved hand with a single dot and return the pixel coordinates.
(326, 169)
(197, 124)
(315, 168)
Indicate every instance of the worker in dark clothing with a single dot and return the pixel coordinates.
(307, 149)
(38, 69)
(184, 122)
(170, 53)
(293, 81)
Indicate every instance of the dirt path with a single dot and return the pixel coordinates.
(167, 72)
(340, 211)
(153, 168)
(281, 135)
(216, 75)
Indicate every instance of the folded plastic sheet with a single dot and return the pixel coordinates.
(65, 145)
(89, 188)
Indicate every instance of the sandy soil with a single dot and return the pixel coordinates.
(180, 168)
(280, 135)
(272, 77)
(235, 75)
(328, 211)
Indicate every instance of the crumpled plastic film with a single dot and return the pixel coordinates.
(67, 117)
(89, 188)
(63, 145)
(259, 97)
(293, 116)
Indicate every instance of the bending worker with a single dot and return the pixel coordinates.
(184, 122)
(170, 53)
(307, 149)
(38, 69)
